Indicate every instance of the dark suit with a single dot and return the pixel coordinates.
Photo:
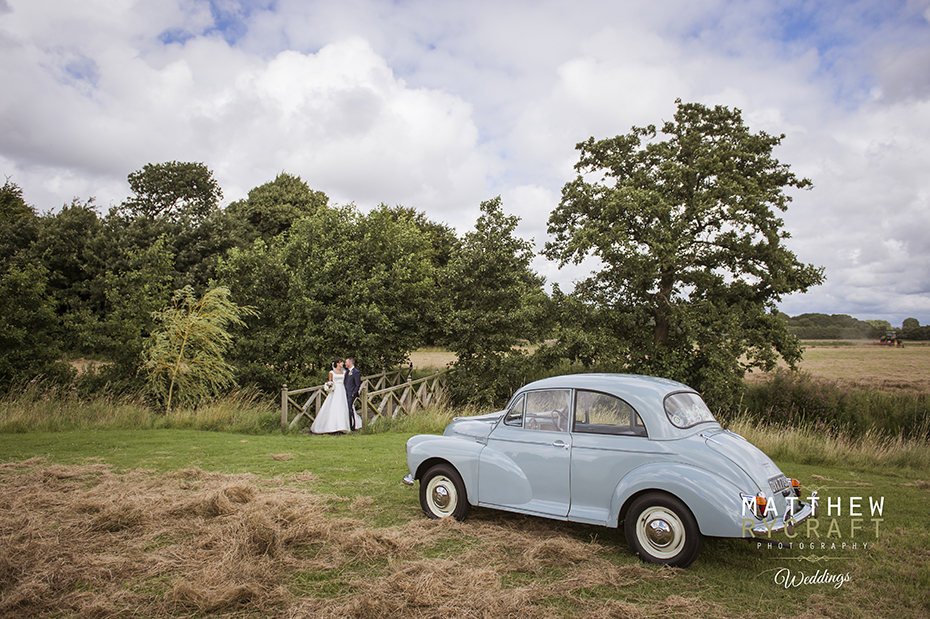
(353, 382)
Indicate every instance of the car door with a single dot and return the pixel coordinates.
(608, 441)
(526, 465)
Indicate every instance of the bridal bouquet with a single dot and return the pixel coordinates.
(327, 386)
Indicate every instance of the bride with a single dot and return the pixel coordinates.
(334, 414)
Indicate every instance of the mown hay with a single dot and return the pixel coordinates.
(84, 541)
(117, 517)
(555, 552)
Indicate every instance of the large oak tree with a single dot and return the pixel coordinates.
(692, 254)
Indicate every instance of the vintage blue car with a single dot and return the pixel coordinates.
(610, 449)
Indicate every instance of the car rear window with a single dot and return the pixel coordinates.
(687, 409)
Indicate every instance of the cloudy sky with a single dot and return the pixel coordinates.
(438, 105)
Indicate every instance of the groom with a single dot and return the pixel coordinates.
(353, 382)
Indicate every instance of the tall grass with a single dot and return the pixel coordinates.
(50, 408)
(432, 420)
(804, 437)
(807, 443)
(796, 399)
(40, 407)
(793, 416)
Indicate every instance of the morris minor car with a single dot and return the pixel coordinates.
(617, 450)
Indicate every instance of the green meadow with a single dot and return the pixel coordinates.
(199, 523)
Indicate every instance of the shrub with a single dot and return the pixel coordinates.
(797, 399)
(490, 380)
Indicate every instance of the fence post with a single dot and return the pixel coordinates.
(284, 408)
(364, 394)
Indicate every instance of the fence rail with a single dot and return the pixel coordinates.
(387, 394)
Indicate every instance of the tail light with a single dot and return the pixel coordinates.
(755, 504)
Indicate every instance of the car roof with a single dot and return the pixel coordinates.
(621, 385)
(646, 394)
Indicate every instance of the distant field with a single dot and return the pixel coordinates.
(868, 366)
(431, 358)
(850, 363)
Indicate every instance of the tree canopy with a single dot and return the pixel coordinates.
(28, 326)
(338, 283)
(272, 208)
(496, 296)
(834, 327)
(682, 220)
(497, 303)
(174, 190)
(692, 260)
(12, 204)
(911, 330)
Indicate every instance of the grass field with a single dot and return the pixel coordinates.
(866, 366)
(856, 364)
(431, 358)
(172, 523)
(182, 523)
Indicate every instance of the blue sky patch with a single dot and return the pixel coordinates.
(83, 69)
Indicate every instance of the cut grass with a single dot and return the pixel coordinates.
(860, 365)
(172, 523)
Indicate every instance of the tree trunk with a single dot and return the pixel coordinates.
(663, 309)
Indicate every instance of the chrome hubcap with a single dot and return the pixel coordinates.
(659, 533)
(441, 497)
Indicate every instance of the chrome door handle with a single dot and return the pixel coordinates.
(561, 444)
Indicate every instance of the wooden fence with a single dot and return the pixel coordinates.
(387, 394)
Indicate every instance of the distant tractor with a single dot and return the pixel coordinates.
(890, 339)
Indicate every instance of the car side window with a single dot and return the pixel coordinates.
(601, 413)
(514, 416)
(548, 410)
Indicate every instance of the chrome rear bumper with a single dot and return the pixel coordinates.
(790, 519)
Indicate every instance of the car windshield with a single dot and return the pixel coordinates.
(687, 409)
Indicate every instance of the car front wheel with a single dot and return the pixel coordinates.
(661, 529)
(442, 493)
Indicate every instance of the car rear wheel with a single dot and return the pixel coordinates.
(661, 529)
(442, 493)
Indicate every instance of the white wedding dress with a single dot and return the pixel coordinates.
(334, 414)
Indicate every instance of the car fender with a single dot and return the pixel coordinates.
(714, 501)
(504, 483)
(460, 453)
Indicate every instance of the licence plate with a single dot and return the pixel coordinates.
(779, 483)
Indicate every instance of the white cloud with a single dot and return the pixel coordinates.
(440, 105)
(866, 217)
(338, 117)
